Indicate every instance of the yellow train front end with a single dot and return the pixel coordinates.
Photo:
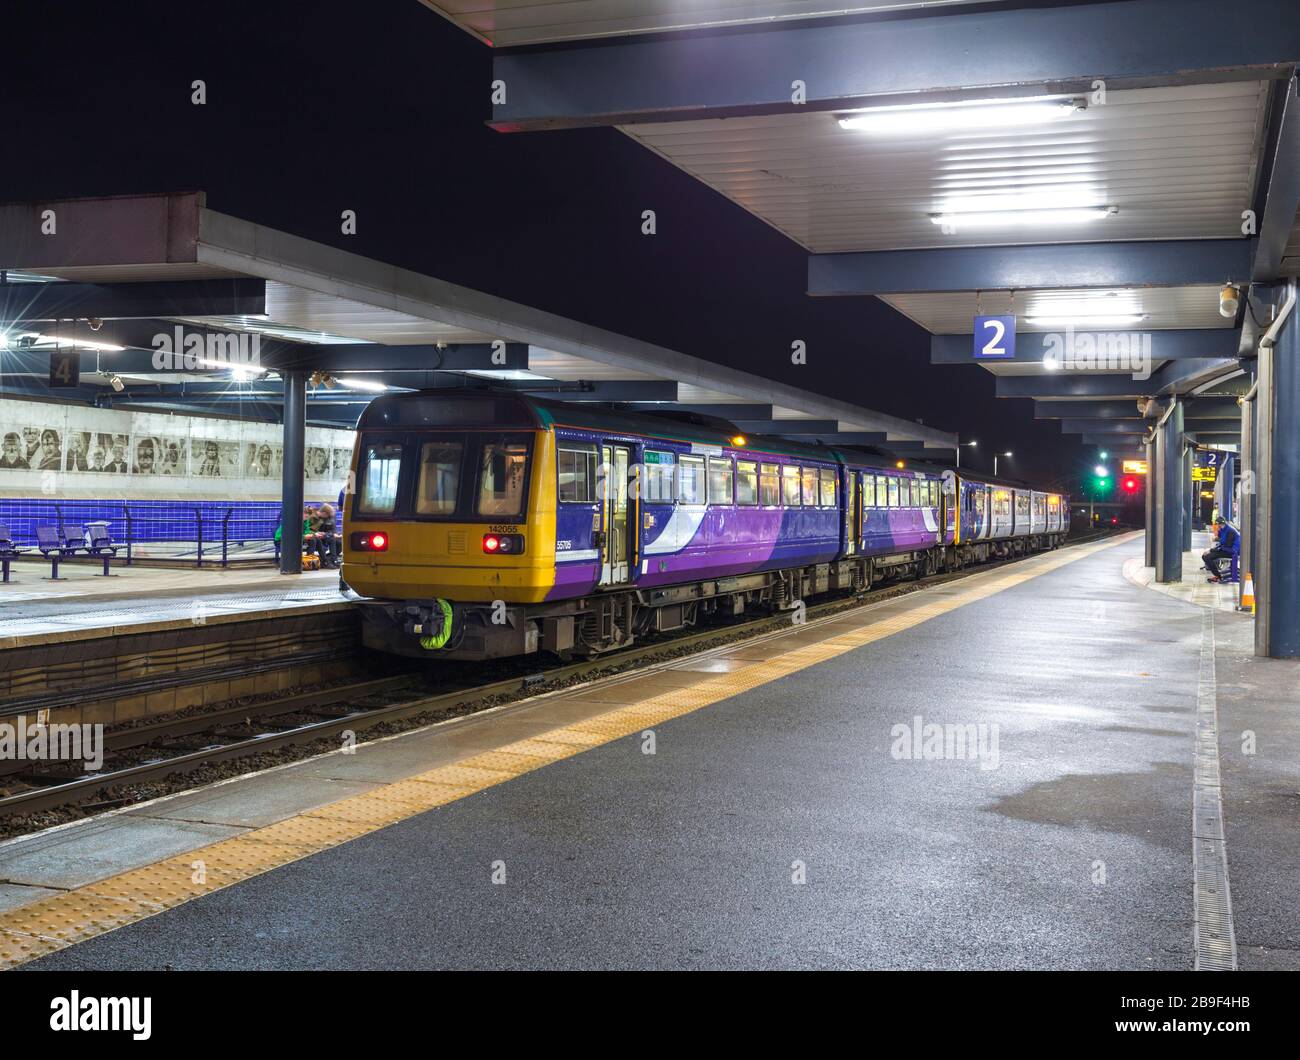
(449, 533)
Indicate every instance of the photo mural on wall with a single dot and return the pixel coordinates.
(165, 454)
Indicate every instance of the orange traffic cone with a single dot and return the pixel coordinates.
(1248, 594)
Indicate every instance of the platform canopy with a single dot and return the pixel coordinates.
(1097, 171)
(117, 273)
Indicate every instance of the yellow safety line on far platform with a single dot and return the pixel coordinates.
(73, 916)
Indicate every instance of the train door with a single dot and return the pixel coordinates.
(852, 512)
(616, 545)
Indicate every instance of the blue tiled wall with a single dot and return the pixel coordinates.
(151, 521)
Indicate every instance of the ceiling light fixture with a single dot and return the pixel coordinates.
(990, 218)
(1069, 320)
(362, 384)
(967, 114)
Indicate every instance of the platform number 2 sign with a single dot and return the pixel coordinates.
(995, 338)
(65, 369)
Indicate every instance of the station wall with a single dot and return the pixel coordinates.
(170, 483)
(87, 453)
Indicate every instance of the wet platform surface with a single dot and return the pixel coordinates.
(88, 604)
(783, 819)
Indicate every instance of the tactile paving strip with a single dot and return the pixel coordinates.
(34, 930)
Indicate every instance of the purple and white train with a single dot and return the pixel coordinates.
(488, 524)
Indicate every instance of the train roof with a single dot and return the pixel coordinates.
(474, 408)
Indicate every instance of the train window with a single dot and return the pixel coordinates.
(905, 493)
(809, 487)
(690, 480)
(769, 485)
(657, 478)
(746, 482)
(790, 486)
(501, 478)
(828, 487)
(435, 493)
(893, 492)
(882, 492)
(380, 464)
(577, 465)
(721, 482)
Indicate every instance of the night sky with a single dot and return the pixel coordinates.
(380, 107)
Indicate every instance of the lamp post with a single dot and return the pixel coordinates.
(972, 445)
(995, 461)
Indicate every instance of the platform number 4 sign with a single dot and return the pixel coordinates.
(995, 338)
(65, 369)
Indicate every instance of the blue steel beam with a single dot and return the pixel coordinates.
(821, 428)
(1097, 428)
(1032, 347)
(1202, 408)
(1173, 263)
(956, 53)
(630, 390)
(1175, 377)
(1282, 197)
(725, 412)
(36, 302)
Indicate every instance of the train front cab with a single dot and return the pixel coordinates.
(451, 529)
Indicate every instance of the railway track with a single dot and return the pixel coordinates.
(168, 748)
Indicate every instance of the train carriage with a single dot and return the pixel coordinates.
(486, 524)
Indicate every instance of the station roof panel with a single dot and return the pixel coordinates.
(1160, 308)
(1177, 162)
(515, 22)
(347, 314)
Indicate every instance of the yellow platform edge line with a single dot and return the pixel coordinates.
(54, 923)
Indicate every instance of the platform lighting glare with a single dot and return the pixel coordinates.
(899, 464)
(988, 218)
(962, 116)
(362, 384)
(739, 440)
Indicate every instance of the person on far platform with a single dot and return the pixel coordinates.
(1227, 543)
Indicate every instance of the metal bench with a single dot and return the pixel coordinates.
(54, 545)
(8, 550)
(99, 543)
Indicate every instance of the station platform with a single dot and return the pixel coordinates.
(796, 811)
(1194, 587)
(86, 605)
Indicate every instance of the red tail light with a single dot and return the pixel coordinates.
(503, 544)
(364, 541)
(379, 542)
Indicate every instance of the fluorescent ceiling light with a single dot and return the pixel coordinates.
(968, 114)
(982, 219)
(240, 371)
(360, 384)
(1083, 319)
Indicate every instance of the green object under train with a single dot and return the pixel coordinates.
(437, 640)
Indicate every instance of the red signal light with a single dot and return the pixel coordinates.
(1130, 485)
(491, 543)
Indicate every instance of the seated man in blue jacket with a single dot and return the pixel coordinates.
(1227, 543)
